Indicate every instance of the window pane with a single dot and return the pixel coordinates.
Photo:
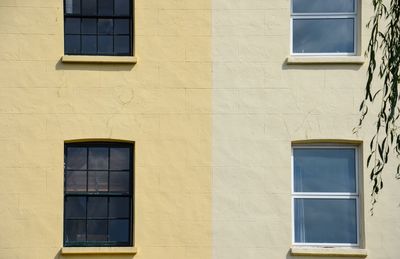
(325, 221)
(89, 7)
(122, 45)
(75, 207)
(75, 181)
(97, 230)
(122, 8)
(97, 207)
(72, 26)
(105, 44)
(323, 6)
(121, 26)
(323, 35)
(75, 230)
(98, 158)
(118, 230)
(119, 158)
(72, 6)
(106, 26)
(89, 26)
(98, 181)
(72, 45)
(119, 207)
(76, 158)
(89, 44)
(119, 182)
(324, 170)
(106, 7)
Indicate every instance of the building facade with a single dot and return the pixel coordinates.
(219, 112)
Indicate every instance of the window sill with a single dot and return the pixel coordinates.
(99, 59)
(355, 60)
(98, 250)
(339, 252)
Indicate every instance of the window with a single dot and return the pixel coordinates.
(325, 195)
(324, 27)
(98, 189)
(98, 27)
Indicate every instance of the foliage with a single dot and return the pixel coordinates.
(384, 59)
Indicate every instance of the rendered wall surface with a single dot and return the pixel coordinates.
(260, 105)
(161, 103)
(212, 107)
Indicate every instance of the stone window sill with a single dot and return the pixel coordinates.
(355, 60)
(99, 59)
(98, 250)
(322, 251)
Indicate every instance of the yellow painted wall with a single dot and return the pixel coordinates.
(162, 103)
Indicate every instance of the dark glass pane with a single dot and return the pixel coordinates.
(72, 45)
(119, 158)
(97, 230)
(122, 45)
(89, 7)
(98, 181)
(75, 181)
(118, 230)
(105, 26)
(89, 44)
(72, 6)
(119, 182)
(121, 26)
(105, 44)
(89, 26)
(98, 158)
(119, 207)
(106, 7)
(323, 6)
(72, 26)
(324, 170)
(75, 230)
(323, 35)
(122, 8)
(325, 221)
(75, 207)
(97, 207)
(76, 157)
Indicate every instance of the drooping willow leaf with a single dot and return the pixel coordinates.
(383, 52)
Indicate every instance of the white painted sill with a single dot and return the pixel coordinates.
(322, 251)
(355, 60)
(99, 59)
(98, 250)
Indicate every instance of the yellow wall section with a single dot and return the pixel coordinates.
(162, 103)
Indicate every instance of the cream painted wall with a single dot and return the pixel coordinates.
(260, 105)
(162, 103)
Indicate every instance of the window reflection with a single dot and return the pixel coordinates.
(324, 170)
(325, 221)
(323, 6)
(323, 35)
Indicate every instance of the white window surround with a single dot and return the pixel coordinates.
(327, 195)
(325, 16)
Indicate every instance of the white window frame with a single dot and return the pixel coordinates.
(298, 16)
(327, 195)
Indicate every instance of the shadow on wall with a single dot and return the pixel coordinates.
(60, 256)
(314, 67)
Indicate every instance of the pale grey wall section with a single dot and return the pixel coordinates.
(260, 105)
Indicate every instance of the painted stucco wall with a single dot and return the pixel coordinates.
(162, 103)
(213, 109)
(260, 105)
